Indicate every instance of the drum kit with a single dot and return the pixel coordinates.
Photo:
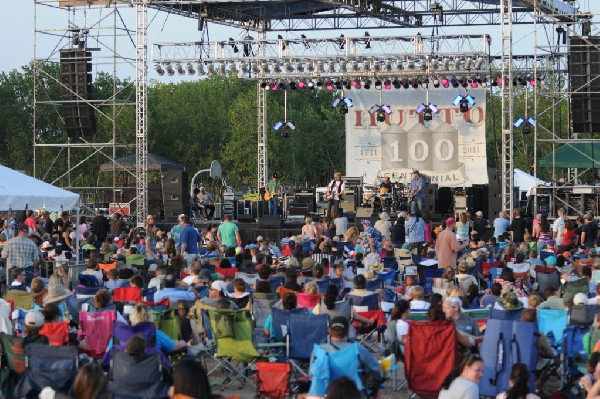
(382, 199)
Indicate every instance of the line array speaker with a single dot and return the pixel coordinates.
(584, 69)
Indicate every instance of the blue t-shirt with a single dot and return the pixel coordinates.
(501, 225)
(190, 237)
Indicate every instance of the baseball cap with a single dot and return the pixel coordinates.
(339, 323)
(450, 221)
(219, 285)
(34, 318)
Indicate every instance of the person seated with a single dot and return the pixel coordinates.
(518, 383)
(217, 291)
(463, 382)
(595, 300)
(173, 294)
(399, 317)
(288, 302)
(93, 270)
(464, 323)
(589, 378)
(34, 321)
(137, 282)
(553, 301)
(472, 297)
(195, 269)
(18, 280)
(418, 302)
(38, 291)
(338, 333)
(240, 296)
(291, 281)
(190, 381)
(142, 313)
(136, 345)
(360, 286)
(542, 345)
(311, 288)
(159, 276)
(464, 279)
(188, 328)
(114, 281)
(490, 299)
(342, 388)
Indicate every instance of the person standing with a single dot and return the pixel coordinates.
(589, 232)
(416, 193)
(480, 224)
(447, 246)
(228, 232)
(415, 230)
(557, 228)
(335, 191)
(20, 251)
(100, 227)
(189, 239)
(272, 193)
(517, 227)
(501, 224)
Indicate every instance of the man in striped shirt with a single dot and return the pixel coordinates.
(20, 251)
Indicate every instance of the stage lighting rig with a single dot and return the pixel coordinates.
(344, 102)
(428, 109)
(381, 111)
(284, 128)
(525, 123)
(464, 102)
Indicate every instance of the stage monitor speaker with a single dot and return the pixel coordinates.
(175, 192)
(76, 91)
(245, 218)
(347, 203)
(269, 221)
(295, 210)
(584, 68)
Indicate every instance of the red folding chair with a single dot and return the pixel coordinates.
(127, 294)
(308, 301)
(106, 267)
(57, 333)
(273, 379)
(95, 332)
(228, 271)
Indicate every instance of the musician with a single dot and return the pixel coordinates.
(272, 193)
(335, 191)
(206, 203)
(386, 184)
(416, 192)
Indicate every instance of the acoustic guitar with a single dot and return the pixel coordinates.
(268, 195)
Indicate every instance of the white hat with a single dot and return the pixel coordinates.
(580, 299)
(479, 213)
(219, 285)
(46, 245)
(160, 245)
(34, 318)
(259, 238)
(72, 235)
(152, 267)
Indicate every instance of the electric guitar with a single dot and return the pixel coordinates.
(268, 195)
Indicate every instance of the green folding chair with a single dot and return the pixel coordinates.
(13, 354)
(167, 322)
(21, 299)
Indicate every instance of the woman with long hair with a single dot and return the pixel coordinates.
(519, 384)
(190, 381)
(462, 227)
(399, 315)
(463, 382)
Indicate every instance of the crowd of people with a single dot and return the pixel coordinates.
(38, 250)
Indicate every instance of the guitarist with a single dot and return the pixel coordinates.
(335, 191)
(272, 193)
(416, 192)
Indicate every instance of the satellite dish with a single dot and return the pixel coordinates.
(215, 170)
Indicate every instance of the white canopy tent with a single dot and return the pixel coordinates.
(19, 192)
(526, 182)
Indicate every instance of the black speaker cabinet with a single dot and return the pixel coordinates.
(269, 221)
(176, 195)
(584, 68)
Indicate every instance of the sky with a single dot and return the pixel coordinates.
(17, 32)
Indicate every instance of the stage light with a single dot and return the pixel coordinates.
(255, 69)
(301, 85)
(347, 86)
(311, 85)
(367, 85)
(375, 66)
(410, 64)
(310, 67)
(474, 84)
(293, 85)
(428, 109)
(200, 69)
(380, 111)
(388, 65)
(264, 85)
(339, 85)
(170, 70)
(159, 69)
(284, 128)
(343, 109)
(387, 84)
(264, 68)
(454, 82)
(282, 85)
(457, 62)
(273, 86)
(288, 66)
(436, 83)
(320, 67)
(344, 102)
(343, 66)
(190, 69)
(233, 45)
(386, 109)
(526, 123)
(446, 64)
(331, 66)
(463, 102)
(378, 85)
(232, 68)
(415, 85)
(424, 84)
(329, 85)
(248, 45)
(354, 83)
(278, 125)
(299, 67)
(397, 84)
(479, 63)
(276, 67)
(380, 115)
(319, 85)
(210, 69)
(222, 70)
(407, 84)
(354, 66)
(468, 63)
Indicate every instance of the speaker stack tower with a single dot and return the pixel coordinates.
(76, 91)
(584, 69)
(176, 195)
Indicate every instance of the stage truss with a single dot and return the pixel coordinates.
(299, 57)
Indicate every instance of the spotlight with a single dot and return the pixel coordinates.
(410, 64)
(436, 83)
(293, 85)
(264, 68)
(339, 85)
(479, 63)
(468, 63)
(428, 109)
(190, 69)
(354, 66)
(329, 85)
(378, 85)
(170, 70)
(367, 85)
(319, 85)
(445, 83)
(380, 115)
(526, 124)
(446, 63)
(454, 82)
(463, 102)
(273, 86)
(288, 66)
(276, 67)
(233, 45)
(387, 84)
(343, 66)
(282, 85)
(285, 128)
(159, 69)
(347, 86)
(320, 67)
(222, 70)
(311, 85)
(200, 69)
(301, 85)
(232, 68)
(397, 84)
(457, 62)
(299, 67)
(331, 66)
(344, 102)
(381, 111)
(210, 69)
(343, 109)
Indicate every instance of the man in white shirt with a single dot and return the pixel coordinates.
(341, 223)
(557, 228)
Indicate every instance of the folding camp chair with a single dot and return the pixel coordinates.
(364, 303)
(273, 379)
(106, 267)
(95, 331)
(260, 308)
(374, 284)
(54, 367)
(365, 333)
(553, 322)
(498, 314)
(308, 301)
(127, 294)
(136, 377)
(430, 274)
(249, 279)
(21, 299)
(88, 280)
(276, 281)
(57, 333)
(323, 285)
(167, 321)
(330, 365)
(83, 291)
(14, 352)
(431, 354)
(305, 330)
(232, 331)
(148, 294)
(230, 271)
(583, 315)
(571, 288)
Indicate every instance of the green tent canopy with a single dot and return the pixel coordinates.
(576, 155)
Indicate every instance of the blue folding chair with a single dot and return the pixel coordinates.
(553, 321)
(148, 294)
(429, 274)
(338, 282)
(304, 331)
(371, 302)
(203, 290)
(276, 281)
(323, 285)
(88, 280)
(495, 273)
(513, 315)
(328, 366)
(373, 285)
(390, 262)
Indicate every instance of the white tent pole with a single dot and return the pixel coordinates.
(77, 232)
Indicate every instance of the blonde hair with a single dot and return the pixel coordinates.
(140, 313)
(417, 292)
(449, 273)
(535, 300)
(311, 288)
(453, 291)
(337, 174)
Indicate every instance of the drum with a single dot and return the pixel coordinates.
(384, 190)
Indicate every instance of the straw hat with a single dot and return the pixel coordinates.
(369, 275)
(308, 263)
(56, 293)
(376, 267)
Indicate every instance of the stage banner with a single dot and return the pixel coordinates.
(449, 150)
